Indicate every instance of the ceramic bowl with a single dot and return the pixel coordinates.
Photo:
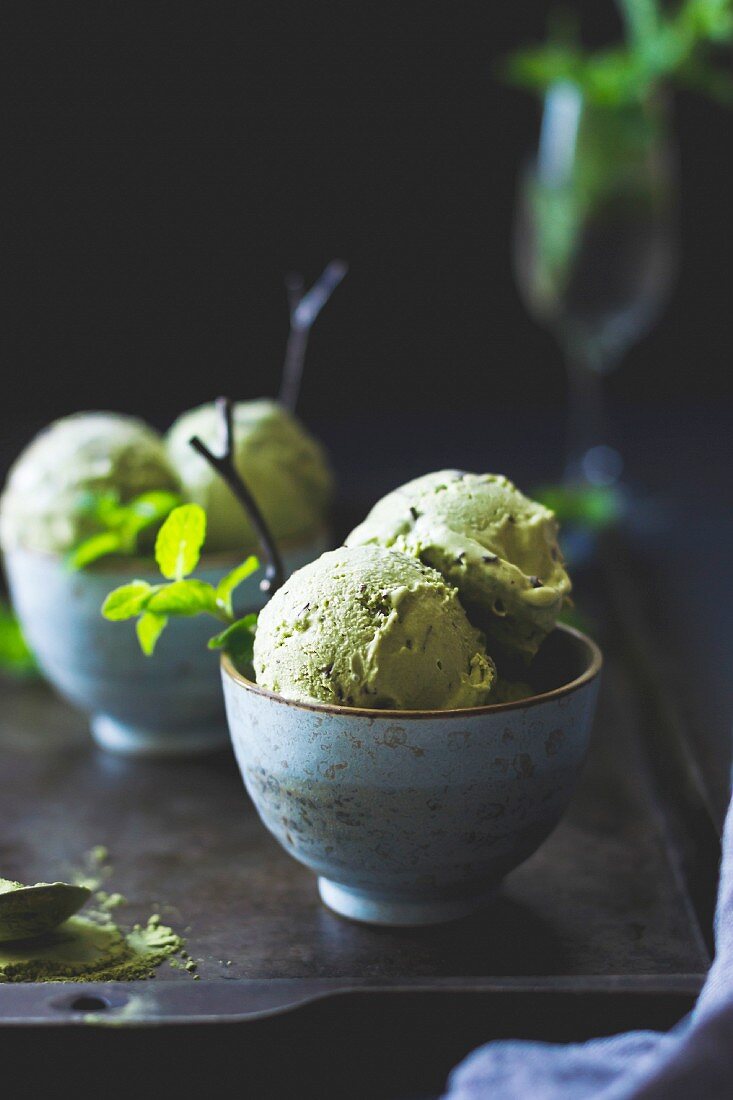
(169, 704)
(414, 817)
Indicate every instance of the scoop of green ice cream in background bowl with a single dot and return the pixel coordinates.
(283, 464)
(45, 504)
(171, 706)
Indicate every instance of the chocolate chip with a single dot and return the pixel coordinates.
(460, 558)
(536, 582)
(414, 513)
(489, 558)
(326, 669)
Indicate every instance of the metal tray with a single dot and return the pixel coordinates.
(610, 919)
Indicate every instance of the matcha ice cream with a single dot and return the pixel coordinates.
(495, 545)
(45, 504)
(283, 466)
(366, 627)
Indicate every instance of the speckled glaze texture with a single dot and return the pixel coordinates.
(413, 817)
(169, 704)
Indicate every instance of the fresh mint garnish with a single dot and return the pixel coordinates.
(237, 640)
(16, 657)
(149, 627)
(127, 601)
(184, 597)
(177, 551)
(120, 524)
(98, 546)
(179, 541)
(227, 585)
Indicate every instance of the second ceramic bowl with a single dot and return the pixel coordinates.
(414, 817)
(168, 704)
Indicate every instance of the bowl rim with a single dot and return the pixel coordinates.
(138, 563)
(591, 672)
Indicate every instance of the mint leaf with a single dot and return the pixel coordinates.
(143, 512)
(179, 541)
(152, 506)
(190, 597)
(122, 523)
(127, 601)
(149, 628)
(16, 656)
(98, 546)
(237, 639)
(227, 585)
(98, 504)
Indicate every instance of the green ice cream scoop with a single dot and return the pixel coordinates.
(366, 627)
(498, 548)
(283, 465)
(30, 911)
(46, 502)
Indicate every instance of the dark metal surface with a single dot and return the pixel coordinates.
(354, 1045)
(604, 907)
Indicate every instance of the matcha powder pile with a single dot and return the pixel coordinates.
(88, 948)
(84, 949)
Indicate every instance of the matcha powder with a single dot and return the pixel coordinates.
(83, 950)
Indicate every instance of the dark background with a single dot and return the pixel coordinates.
(166, 165)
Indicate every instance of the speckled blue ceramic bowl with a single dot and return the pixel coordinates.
(414, 817)
(169, 704)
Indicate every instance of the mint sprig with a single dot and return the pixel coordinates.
(177, 552)
(127, 601)
(120, 525)
(179, 541)
(237, 639)
(149, 627)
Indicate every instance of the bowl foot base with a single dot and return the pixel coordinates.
(115, 736)
(399, 912)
